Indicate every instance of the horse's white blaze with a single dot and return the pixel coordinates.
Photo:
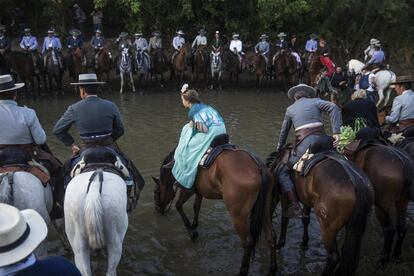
(29, 193)
(94, 219)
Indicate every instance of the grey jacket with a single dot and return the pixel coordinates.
(95, 118)
(402, 108)
(306, 111)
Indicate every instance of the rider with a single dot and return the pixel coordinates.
(367, 82)
(402, 111)
(200, 40)
(378, 57)
(338, 79)
(141, 46)
(97, 43)
(217, 43)
(99, 124)
(369, 51)
(324, 80)
(29, 45)
(51, 42)
(74, 41)
(196, 136)
(360, 107)
(177, 43)
(310, 48)
(124, 43)
(236, 46)
(281, 45)
(155, 42)
(294, 49)
(263, 48)
(306, 116)
(4, 40)
(21, 129)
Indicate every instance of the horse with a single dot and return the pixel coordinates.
(142, 65)
(246, 187)
(285, 67)
(201, 62)
(178, 64)
(160, 64)
(95, 217)
(216, 67)
(382, 81)
(54, 70)
(76, 62)
(314, 67)
(259, 64)
(22, 64)
(125, 67)
(102, 64)
(342, 197)
(231, 64)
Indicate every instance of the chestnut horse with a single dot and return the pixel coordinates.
(315, 67)
(259, 63)
(103, 64)
(201, 63)
(342, 197)
(76, 62)
(178, 66)
(246, 187)
(285, 67)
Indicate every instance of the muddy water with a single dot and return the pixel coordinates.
(159, 245)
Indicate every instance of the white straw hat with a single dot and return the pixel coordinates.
(21, 232)
(87, 79)
(7, 83)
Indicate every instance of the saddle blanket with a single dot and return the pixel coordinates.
(212, 153)
(33, 167)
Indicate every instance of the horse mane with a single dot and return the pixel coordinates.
(166, 172)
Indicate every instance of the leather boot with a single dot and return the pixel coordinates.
(294, 210)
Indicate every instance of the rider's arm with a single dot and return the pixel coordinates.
(58, 44)
(256, 48)
(395, 112)
(61, 129)
(44, 47)
(194, 42)
(174, 43)
(284, 132)
(35, 44)
(118, 126)
(267, 49)
(22, 44)
(334, 114)
(36, 130)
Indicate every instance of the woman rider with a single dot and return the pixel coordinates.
(196, 137)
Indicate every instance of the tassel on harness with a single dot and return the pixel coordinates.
(98, 172)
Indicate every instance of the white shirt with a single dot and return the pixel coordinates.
(199, 40)
(236, 44)
(19, 125)
(178, 42)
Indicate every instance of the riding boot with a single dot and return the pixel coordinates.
(294, 209)
(287, 186)
(56, 182)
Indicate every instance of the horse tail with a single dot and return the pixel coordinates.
(6, 188)
(93, 212)
(355, 227)
(258, 212)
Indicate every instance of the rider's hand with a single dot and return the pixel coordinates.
(191, 124)
(336, 137)
(75, 149)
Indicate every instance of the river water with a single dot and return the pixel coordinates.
(159, 245)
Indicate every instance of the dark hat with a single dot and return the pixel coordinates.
(7, 84)
(313, 36)
(403, 79)
(156, 33)
(87, 79)
(123, 34)
(301, 87)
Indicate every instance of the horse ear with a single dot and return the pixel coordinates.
(156, 180)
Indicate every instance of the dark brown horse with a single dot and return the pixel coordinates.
(231, 65)
(160, 64)
(54, 70)
(391, 172)
(246, 187)
(314, 67)
(178, 64)
(285, 69)
(76, 62)
(103, 64)
(201, 63)
(342, 197)
(259, 64)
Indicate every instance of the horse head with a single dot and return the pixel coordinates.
(164, 192)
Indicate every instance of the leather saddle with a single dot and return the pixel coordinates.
(13, 156)
(368, 136)
(219, 144)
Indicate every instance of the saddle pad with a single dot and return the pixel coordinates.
(81, 165)
(212, 153)
(310, 162)
(35, 171)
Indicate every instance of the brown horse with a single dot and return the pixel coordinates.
(231, 65)
(246, 187)
(259, 63)
(391, 172)
(160, 64)
(103, 64)
(285, 67)
(342, 197)
(178, 65)
(76, 62)
(201, 62)
(315, 66)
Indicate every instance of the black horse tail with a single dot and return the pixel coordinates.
(357, 223)
(259, 211)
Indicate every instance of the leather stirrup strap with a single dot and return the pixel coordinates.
(98, 172)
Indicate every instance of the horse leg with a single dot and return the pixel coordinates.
(197, 206)
(381, 97)
(387, 96)
(131, 78)
(270, 237)
(82, 252)
(401, 210)
(332, 260)
(114, 251)
(388, 232)
(305, 222)
(183, 198)
(283, 230)
(242, 229)
(122, 82)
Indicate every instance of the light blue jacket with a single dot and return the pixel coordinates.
(29, 42)
(402, 108)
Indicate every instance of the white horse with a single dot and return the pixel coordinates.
(382, 80)
(95, 216)
(125, 68)
(25, 191)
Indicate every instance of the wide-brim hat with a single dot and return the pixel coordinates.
(156, 33)
(311, 92)
(75, 32)
(374, 41)
(235, 35)
(404, 79)
(27, 30)
(50, 31)
(138, 34)
(87, 79)
(263, 36)
(123, 34)
(21, 232)
(7, 84)
(217, 32)
(180, 32)
(98, 31)
(378, 45)
(313, 36)
(202, 31)
(282, 34)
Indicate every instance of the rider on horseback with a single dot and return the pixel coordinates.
(4, 40)
(263, 48)
(124, 43)
(29, 45)
(324, 80)
(369, 51)
(74, 42)
(236, 46)
(310, 48)
(141, 47)
(52, 42)
(294, 49)
(177, 43)
(306, 116)
(22, 131)
(99, 124)
(97, 43)
(281, 46)
(378, 57)
(217, 43)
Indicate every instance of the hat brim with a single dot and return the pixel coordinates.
(309, 90)
(88, 83)
(38, 233)
(16, 86)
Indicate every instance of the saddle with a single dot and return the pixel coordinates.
(15, 159)
(219, 144)
(366, 137)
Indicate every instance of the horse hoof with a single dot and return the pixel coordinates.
(194, 235)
